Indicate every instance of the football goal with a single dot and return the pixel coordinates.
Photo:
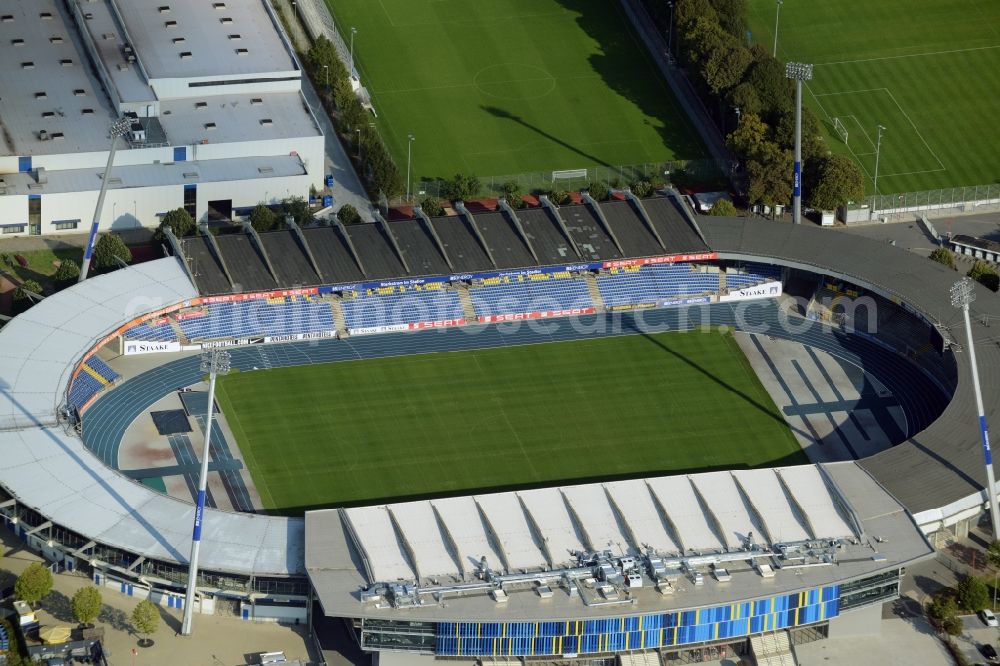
(840, 129)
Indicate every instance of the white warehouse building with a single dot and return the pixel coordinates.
(219, 120)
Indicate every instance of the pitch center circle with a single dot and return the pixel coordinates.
(514, 81)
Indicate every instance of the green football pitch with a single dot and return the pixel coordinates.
(410, 426)
(927, 70)
(494, 87)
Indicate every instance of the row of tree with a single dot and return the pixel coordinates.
(981, 271)
(330, 75)
(747, 82)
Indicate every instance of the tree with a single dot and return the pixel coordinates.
(298, 208)
(687, 12)
(774, 90)
(348, 214)
(725, 64)
(982, 273)
(952, 626)
(723, 208)
(941, 608)
(944, 256)
(460, 188)
(86, 604)
(432, 207)
(973, 594)
(179, 221)
(145, 620)
(749, 136)
(839, 181)
(21, 293)
(770, 176)
(732, 16)
(33, 584)
(745, 98)
(110, 248)
(262, 218)
(993, 553)
(599, 191)
(641, 188)
(813, 144)
(67, 272)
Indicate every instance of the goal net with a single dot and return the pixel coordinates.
(840, 129)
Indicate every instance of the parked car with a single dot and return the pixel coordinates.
(988, 618)
(989, 652)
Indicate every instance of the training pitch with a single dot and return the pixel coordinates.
(492, 87)
(927, 70)
(359, 431)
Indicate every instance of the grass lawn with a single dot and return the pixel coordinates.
(41, 264)
(928, 70)
(493, 87)
(410, 426)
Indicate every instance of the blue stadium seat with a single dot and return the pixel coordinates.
(102, 368)
(751, 274)
(152, 332)
(649, 284)
(275, 316)
(83, 389)
(532, 293)
(399, 306)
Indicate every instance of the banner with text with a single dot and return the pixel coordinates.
(568, 312)
(766, 290)
(133, 347)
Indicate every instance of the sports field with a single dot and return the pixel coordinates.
(493, 87)
(927, 70)
(408, 426)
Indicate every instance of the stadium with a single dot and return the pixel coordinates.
(580, 562)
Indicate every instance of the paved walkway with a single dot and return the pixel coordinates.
(217, 640)
(347, 187)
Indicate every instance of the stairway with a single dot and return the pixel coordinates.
(339, 321)
(468, 308)
(178, 330)
(772, 649)
(595, 292)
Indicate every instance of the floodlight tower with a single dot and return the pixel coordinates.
(214, 362)
(798, 72)
(119, 128)
(962, 295)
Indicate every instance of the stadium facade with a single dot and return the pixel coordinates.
(60, 421)
(219, 122)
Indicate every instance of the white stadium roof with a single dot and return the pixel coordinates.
(50, 470)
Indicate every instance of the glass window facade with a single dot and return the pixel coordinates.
(619, 634)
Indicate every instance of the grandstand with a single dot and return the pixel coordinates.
(401, 307)
(650, 286)
(548, 293)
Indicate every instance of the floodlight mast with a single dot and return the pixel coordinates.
(799, 72)
(119, 128)
(962, 295)
(214, 362)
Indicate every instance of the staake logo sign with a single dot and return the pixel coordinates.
(133, 347)
(766, 290)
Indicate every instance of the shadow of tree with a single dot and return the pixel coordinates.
(59, 606)
(115, 618)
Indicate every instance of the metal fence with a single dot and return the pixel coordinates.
(946, 201)
(705, 170)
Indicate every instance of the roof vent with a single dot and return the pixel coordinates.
(242, 51)
(7, 18)
(79, 92)
(45, 16)
(163, 9)
(111, 181)
(225, 20)
(185, 55)
(66, 62)
(87, 112)
(48, 114)
(256, 101)
(179, 40)
(58, 136)
(108, 36)
(40, 95)
(266, 122)
(27, 65)
(190, 175)
(210, 126)
(235, 36)
(265, 169)
(218, 5)
(43, 135)
(170, 24)
(17, 41)
(201, 105)
(55, 39)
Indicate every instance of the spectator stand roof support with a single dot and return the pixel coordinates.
(255, 239)
(391, 237)
(217, 251)
(178, 251)
(553, 210)
(512, 216)
(342, 230)
(675, 195)
(301, 238)
(432, 232)
(470, 219)
(644, 216)
(599, 214)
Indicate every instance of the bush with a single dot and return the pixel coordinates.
(982, 273)
(298, 208)
(973, 594)
(944, 256)
(263, 218)
(432, 206)
(599, 191)
(641, 188)
(110, 248)
(460, 188)
(180, 223)
(33, 584)
(67, 271)
(560, 197)
(348, 214)
(723, 208)
(952, 626)
(86, 604)
(21, 295)
(512, 194)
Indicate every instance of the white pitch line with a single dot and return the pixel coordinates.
(829, 118)
(909, 55)
(848, 92)
(863, 131)
(912, 124)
